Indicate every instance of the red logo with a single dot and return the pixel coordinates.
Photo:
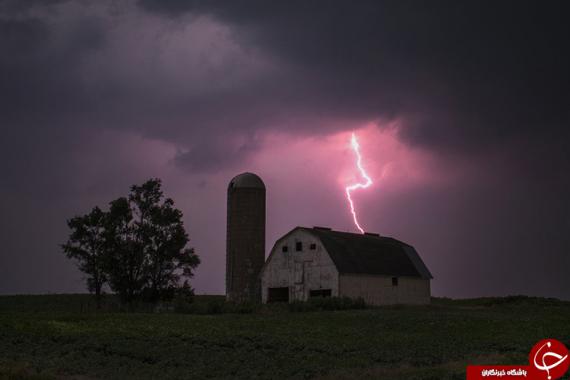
(549, 359)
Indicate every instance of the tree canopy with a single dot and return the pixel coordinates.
(138, 248)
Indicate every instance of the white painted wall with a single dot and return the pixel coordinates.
(378, 290)
(300, 271)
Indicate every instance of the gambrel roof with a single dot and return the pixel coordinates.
(369, 253)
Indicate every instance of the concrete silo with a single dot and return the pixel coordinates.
(245, 244)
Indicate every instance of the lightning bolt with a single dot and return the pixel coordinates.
(367, 183)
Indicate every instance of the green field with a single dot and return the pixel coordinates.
(60, 337)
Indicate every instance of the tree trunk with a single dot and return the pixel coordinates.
(98, 296)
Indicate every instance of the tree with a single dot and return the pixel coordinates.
(87, 244)
(124, 261)
(142, 246)
(160, 232)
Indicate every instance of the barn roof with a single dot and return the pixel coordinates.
(370, 254)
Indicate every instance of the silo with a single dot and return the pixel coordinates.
(245, 244)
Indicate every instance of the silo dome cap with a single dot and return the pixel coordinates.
(249, 180)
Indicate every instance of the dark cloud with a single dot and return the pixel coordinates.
(463, 74)
(220, 153)
(86, 88)
(16, 7)
(39, 69)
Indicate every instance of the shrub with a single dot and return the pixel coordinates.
(328, 303)
(300, 306)
(215, 307)
(246, 307)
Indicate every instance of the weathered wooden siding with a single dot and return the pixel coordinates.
(378, 290)
(300, 271)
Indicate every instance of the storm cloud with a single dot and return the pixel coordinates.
(464, 107)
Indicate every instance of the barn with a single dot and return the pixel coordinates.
(321, 262)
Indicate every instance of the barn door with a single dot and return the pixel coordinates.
(277, 295)
(299, 287)
(299, 272)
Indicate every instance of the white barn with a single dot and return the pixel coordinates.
(320, 262)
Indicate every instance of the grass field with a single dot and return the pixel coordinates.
(59, 337)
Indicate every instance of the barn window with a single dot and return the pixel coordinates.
(298, 246)
(313, 246)
(284, 248)
(320, 293)
(394, 281)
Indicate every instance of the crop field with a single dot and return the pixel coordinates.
(59, 337)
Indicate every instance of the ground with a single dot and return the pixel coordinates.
(57, 337)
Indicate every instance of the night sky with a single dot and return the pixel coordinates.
(462, 111)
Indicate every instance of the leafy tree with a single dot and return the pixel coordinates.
(142, 246)
(125, 255)
(87, 244)
(160, 232)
